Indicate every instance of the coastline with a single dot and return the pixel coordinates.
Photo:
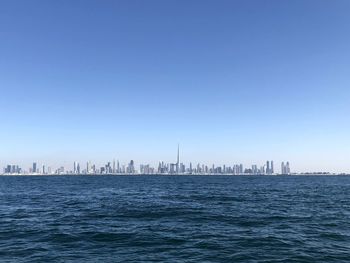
(203, 174)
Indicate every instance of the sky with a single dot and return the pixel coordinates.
(230, 81)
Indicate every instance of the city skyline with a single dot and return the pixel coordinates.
(163, 167)
(130, 168)
(116, 167)
(230, 80)
(283, 166)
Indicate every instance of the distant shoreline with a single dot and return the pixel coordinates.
(233, 175)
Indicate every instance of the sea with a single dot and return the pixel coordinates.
(174, 218)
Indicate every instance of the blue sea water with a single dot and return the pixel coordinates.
(175, 219)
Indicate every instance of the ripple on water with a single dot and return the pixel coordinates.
(175, 219)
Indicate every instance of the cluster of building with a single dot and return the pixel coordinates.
(285, 169)
(115, 167)
(163, 168)
(12, 169)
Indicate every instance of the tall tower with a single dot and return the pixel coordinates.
(131, 166)
(88, 167)
(178, 159)
(267, 167)
(272, 169)
(34, 168)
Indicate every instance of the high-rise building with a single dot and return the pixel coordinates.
(267, 167)
(34, 168)
(254, 169)
(182, 168)
(178, 159)
(272, 169)
(172, 168)
(285, 169)
(262, 169)
(108, 168)
(131, 167)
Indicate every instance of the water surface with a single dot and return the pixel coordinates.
(174, 219)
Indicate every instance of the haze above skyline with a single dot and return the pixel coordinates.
(231, 81)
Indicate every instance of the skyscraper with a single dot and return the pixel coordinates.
(131, 167)
(287, 168)
(272, 169)
(178, 159)
(34, 168)
(267, 167)
(241, 169)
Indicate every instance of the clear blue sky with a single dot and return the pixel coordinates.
(231, 81)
